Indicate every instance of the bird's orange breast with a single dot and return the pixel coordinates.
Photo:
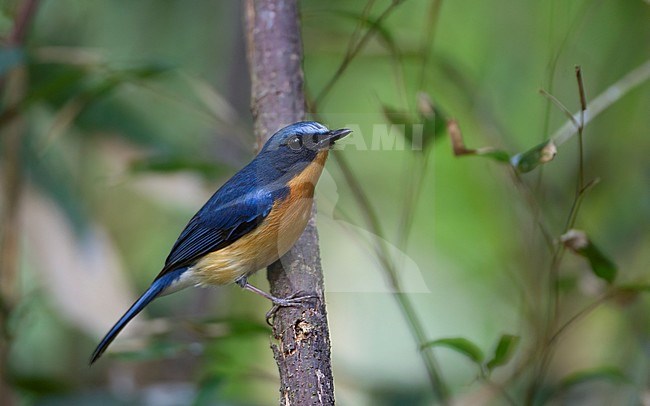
(271, 239)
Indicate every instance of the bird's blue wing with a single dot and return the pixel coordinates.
(220, 222)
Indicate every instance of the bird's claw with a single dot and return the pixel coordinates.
(291, 301)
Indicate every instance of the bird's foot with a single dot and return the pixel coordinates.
(295, 300)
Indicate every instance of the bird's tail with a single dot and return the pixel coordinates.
(156, 288)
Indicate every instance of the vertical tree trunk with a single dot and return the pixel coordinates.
(302, 347)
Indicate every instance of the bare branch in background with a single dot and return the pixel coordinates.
(12, 89)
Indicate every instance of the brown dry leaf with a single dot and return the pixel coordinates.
(457, 142)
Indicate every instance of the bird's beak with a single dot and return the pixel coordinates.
(329, 138)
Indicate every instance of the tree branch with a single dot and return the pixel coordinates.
(12, 90)
(302, 347)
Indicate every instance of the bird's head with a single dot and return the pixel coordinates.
(299, 143)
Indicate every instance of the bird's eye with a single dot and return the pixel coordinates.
(295, 143)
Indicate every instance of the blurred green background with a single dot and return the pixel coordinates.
(133, 113)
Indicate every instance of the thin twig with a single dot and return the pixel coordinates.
(554, 278)
(428, 38)
(22, 22)
(414, 187)
(534, 207)
(579, 315)
(561, 106)
(583, 107)
(581, 89)
(12, 89)
(421, 162)
(610, 96)
(438, 386)
(357, 29)
(351, 55)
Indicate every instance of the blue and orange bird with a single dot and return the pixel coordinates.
(248, 224)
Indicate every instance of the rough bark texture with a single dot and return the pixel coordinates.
(302, 345)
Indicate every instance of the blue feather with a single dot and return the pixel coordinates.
(233, 211)
(156, 288)
(237, 208)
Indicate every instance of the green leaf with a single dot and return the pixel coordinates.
(232, 326)
(397, 117)
(156, 350)
(168, 164)
(100, 108)
(505, 349)
(118, 77)
(627, 294)
(402, 119)
(10, 58)
(113, 115)
(49, 173)
(567, 283)
(636, 287)
(145, 71)
(496, 154)
(54, 83)
(385, 36)
(244, 327)
(208, 390)
(40, 385)
(601, 265)
(603, 373)
(432, 123)
(433, 118)
(460, 345)
(531, 159)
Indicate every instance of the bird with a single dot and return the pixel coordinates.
(249, 222)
